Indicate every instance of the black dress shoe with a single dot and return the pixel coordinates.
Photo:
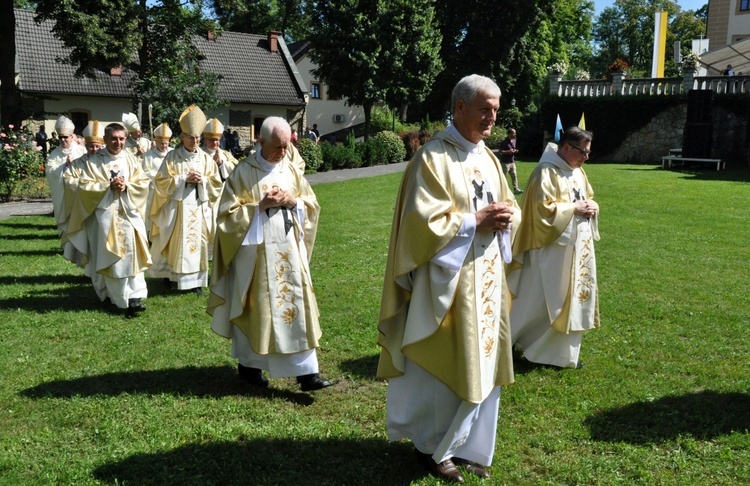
(254, 376)
(471, 467)
(580, 365)
(135, 307)
(312, 382)
(446, 470)
(198, 291)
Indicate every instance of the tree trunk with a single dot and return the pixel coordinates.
(368, 116)
(10, 96)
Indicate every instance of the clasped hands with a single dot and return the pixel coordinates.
(118, 184)
(496, 216)
(194, 177)
(276, 198)
(587, 209)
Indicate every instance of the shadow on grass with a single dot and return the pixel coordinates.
(76, 295)
(31, 253)
(363, 368)
(17, 224)
(46, 235)
(704, 415)
(45, 279)
(270, 461)
(215, 381)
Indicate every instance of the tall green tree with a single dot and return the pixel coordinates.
(154, 39)
(484, 37)
(261, 16)
(10, 97)
(368, 49)
(626, 30)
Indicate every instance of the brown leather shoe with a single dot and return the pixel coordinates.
(445, 470)
(472, 467)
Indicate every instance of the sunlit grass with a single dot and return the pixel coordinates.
(90, 397)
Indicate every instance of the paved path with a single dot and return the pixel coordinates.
(36, 208)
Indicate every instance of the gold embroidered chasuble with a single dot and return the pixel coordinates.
(55, 169)
(458, 321)
(264, 288)
(564, 242)
(88, 185)
(228, 162)
(182, 214)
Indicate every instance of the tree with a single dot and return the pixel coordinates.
(626, 30)
(10, 97)
(150, 38)
(261, 16)
(367, 49)
(483, 37)
(411, 62)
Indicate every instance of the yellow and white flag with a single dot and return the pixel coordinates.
(660, 44)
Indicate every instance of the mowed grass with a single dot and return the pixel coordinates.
(90, 397)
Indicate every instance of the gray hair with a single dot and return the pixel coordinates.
(469, 86)
(273, 124)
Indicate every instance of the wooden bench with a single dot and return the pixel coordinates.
(676, 151)
(668, 161)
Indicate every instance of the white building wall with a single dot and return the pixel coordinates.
(739, 23)
(106, 110)
(323, 111)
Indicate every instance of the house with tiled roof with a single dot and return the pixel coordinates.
(333, 115)
(258, 78)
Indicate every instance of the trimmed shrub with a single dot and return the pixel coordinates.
(326, 149)
(495, 139)
(386, 148)
(311, 153)
(345, 157)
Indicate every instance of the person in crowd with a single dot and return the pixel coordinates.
(136, 144)
(310, 134)
(58, 162)
(41, 140)
(187, 185)
(554, 285)
(295, 137)
(508, 153)
(261, 292)
(93, 136)
(729, 71)
(224, 160)
(54, 142)
(107, 221)
(443, 328)
(152, 161)
(315, 130)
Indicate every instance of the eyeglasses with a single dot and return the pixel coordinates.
(64, 137)
(587, 153)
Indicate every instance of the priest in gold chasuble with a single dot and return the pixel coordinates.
(443, 330)
(106, 222)
(261, 292)
(553, 281)
(187, 185)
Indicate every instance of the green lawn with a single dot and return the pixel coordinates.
(90, 397)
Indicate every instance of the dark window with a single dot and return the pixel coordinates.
(744, 4)
(80, 119)
(315, 91)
